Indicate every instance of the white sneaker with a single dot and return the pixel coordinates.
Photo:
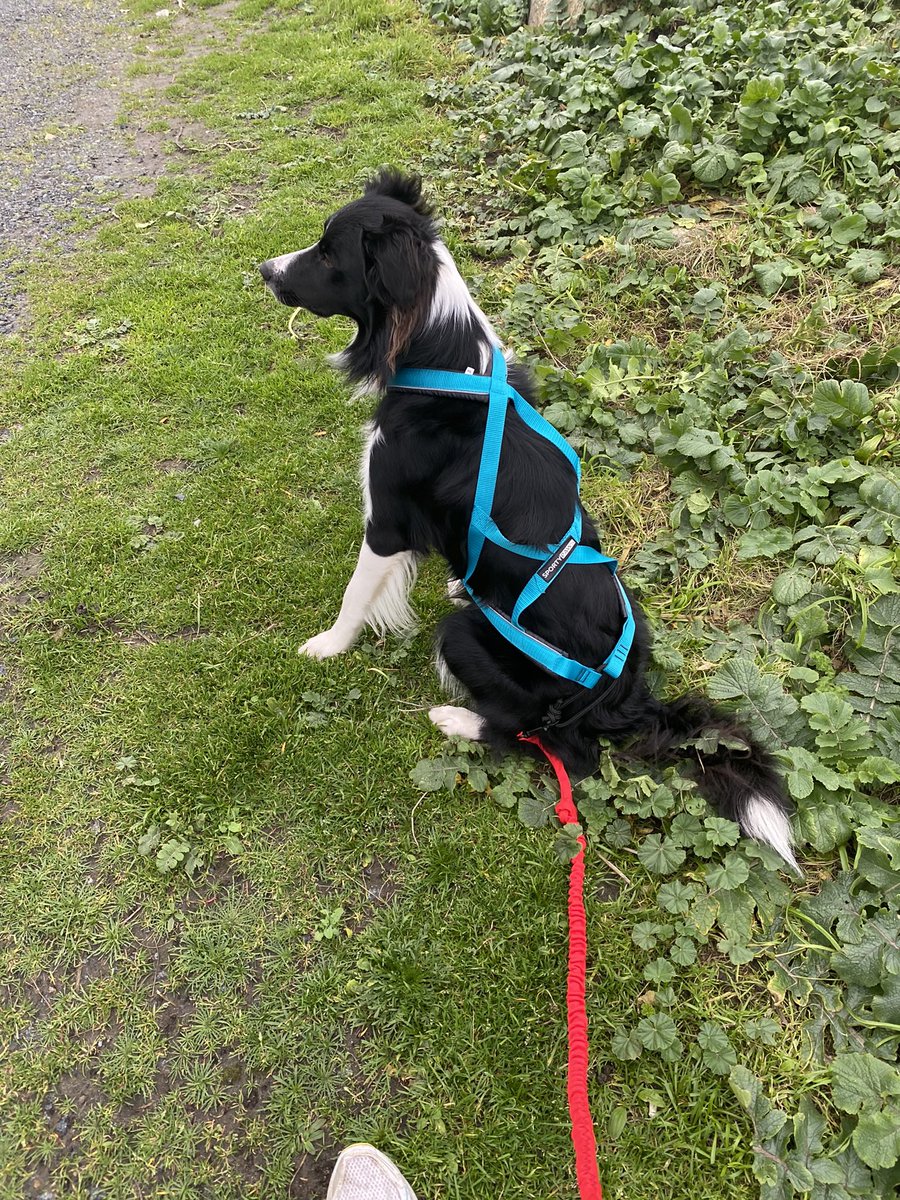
(364, 1173)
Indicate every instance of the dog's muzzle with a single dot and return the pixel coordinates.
(271, 277)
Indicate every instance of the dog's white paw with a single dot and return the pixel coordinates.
(325, 645)
(457, 722)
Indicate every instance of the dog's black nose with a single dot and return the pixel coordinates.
(267, 270)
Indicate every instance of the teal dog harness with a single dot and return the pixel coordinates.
(552, 559)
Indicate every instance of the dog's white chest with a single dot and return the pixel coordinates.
(372, 435)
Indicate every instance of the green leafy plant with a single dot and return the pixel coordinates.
(330, 925)
(613, 153)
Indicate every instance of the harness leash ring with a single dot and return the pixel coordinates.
(552, 718)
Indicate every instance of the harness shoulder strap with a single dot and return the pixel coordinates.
(541, 425)
(498, 397)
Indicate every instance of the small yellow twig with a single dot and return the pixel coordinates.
(295, 336)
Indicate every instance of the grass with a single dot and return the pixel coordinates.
(178, 511)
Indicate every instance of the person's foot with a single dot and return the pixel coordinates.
(364, 1173)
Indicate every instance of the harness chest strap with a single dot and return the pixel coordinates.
(552, 558)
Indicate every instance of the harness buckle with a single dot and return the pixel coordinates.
(615, 664)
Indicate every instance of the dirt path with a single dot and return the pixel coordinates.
(62, 63)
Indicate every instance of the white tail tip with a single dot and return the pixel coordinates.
(764, 820)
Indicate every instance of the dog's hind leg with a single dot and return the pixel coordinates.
(451, 685)
(469, 663)
(457, 722)
(377, 595)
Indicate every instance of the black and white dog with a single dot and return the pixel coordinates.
(381, 262)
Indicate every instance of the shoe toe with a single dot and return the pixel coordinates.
(364, 1173)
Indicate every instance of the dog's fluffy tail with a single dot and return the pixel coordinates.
(732, 770)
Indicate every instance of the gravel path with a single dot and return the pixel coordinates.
(61, 67)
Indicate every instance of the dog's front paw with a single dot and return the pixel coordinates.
(326, 645)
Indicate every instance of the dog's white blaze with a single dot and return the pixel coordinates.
(283, 261)
(457, 722)
(453, 299)
(280, 265)
(372, 435)
(765, 821)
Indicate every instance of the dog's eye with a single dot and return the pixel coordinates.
(325, 257)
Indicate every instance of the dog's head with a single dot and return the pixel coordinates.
(375, 262)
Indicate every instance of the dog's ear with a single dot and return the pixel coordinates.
(394, 263)
(405, 188)
(400, 276)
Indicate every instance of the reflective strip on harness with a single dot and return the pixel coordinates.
(552, 558)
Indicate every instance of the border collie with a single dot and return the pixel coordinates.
(381, 262)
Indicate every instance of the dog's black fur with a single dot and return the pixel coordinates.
(380, 262)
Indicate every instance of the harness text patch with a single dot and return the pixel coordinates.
(558, 561)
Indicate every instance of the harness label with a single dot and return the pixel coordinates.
(554, 565)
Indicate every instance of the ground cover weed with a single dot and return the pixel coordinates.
(694, 215)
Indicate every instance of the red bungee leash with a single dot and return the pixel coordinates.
(583, 1139)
